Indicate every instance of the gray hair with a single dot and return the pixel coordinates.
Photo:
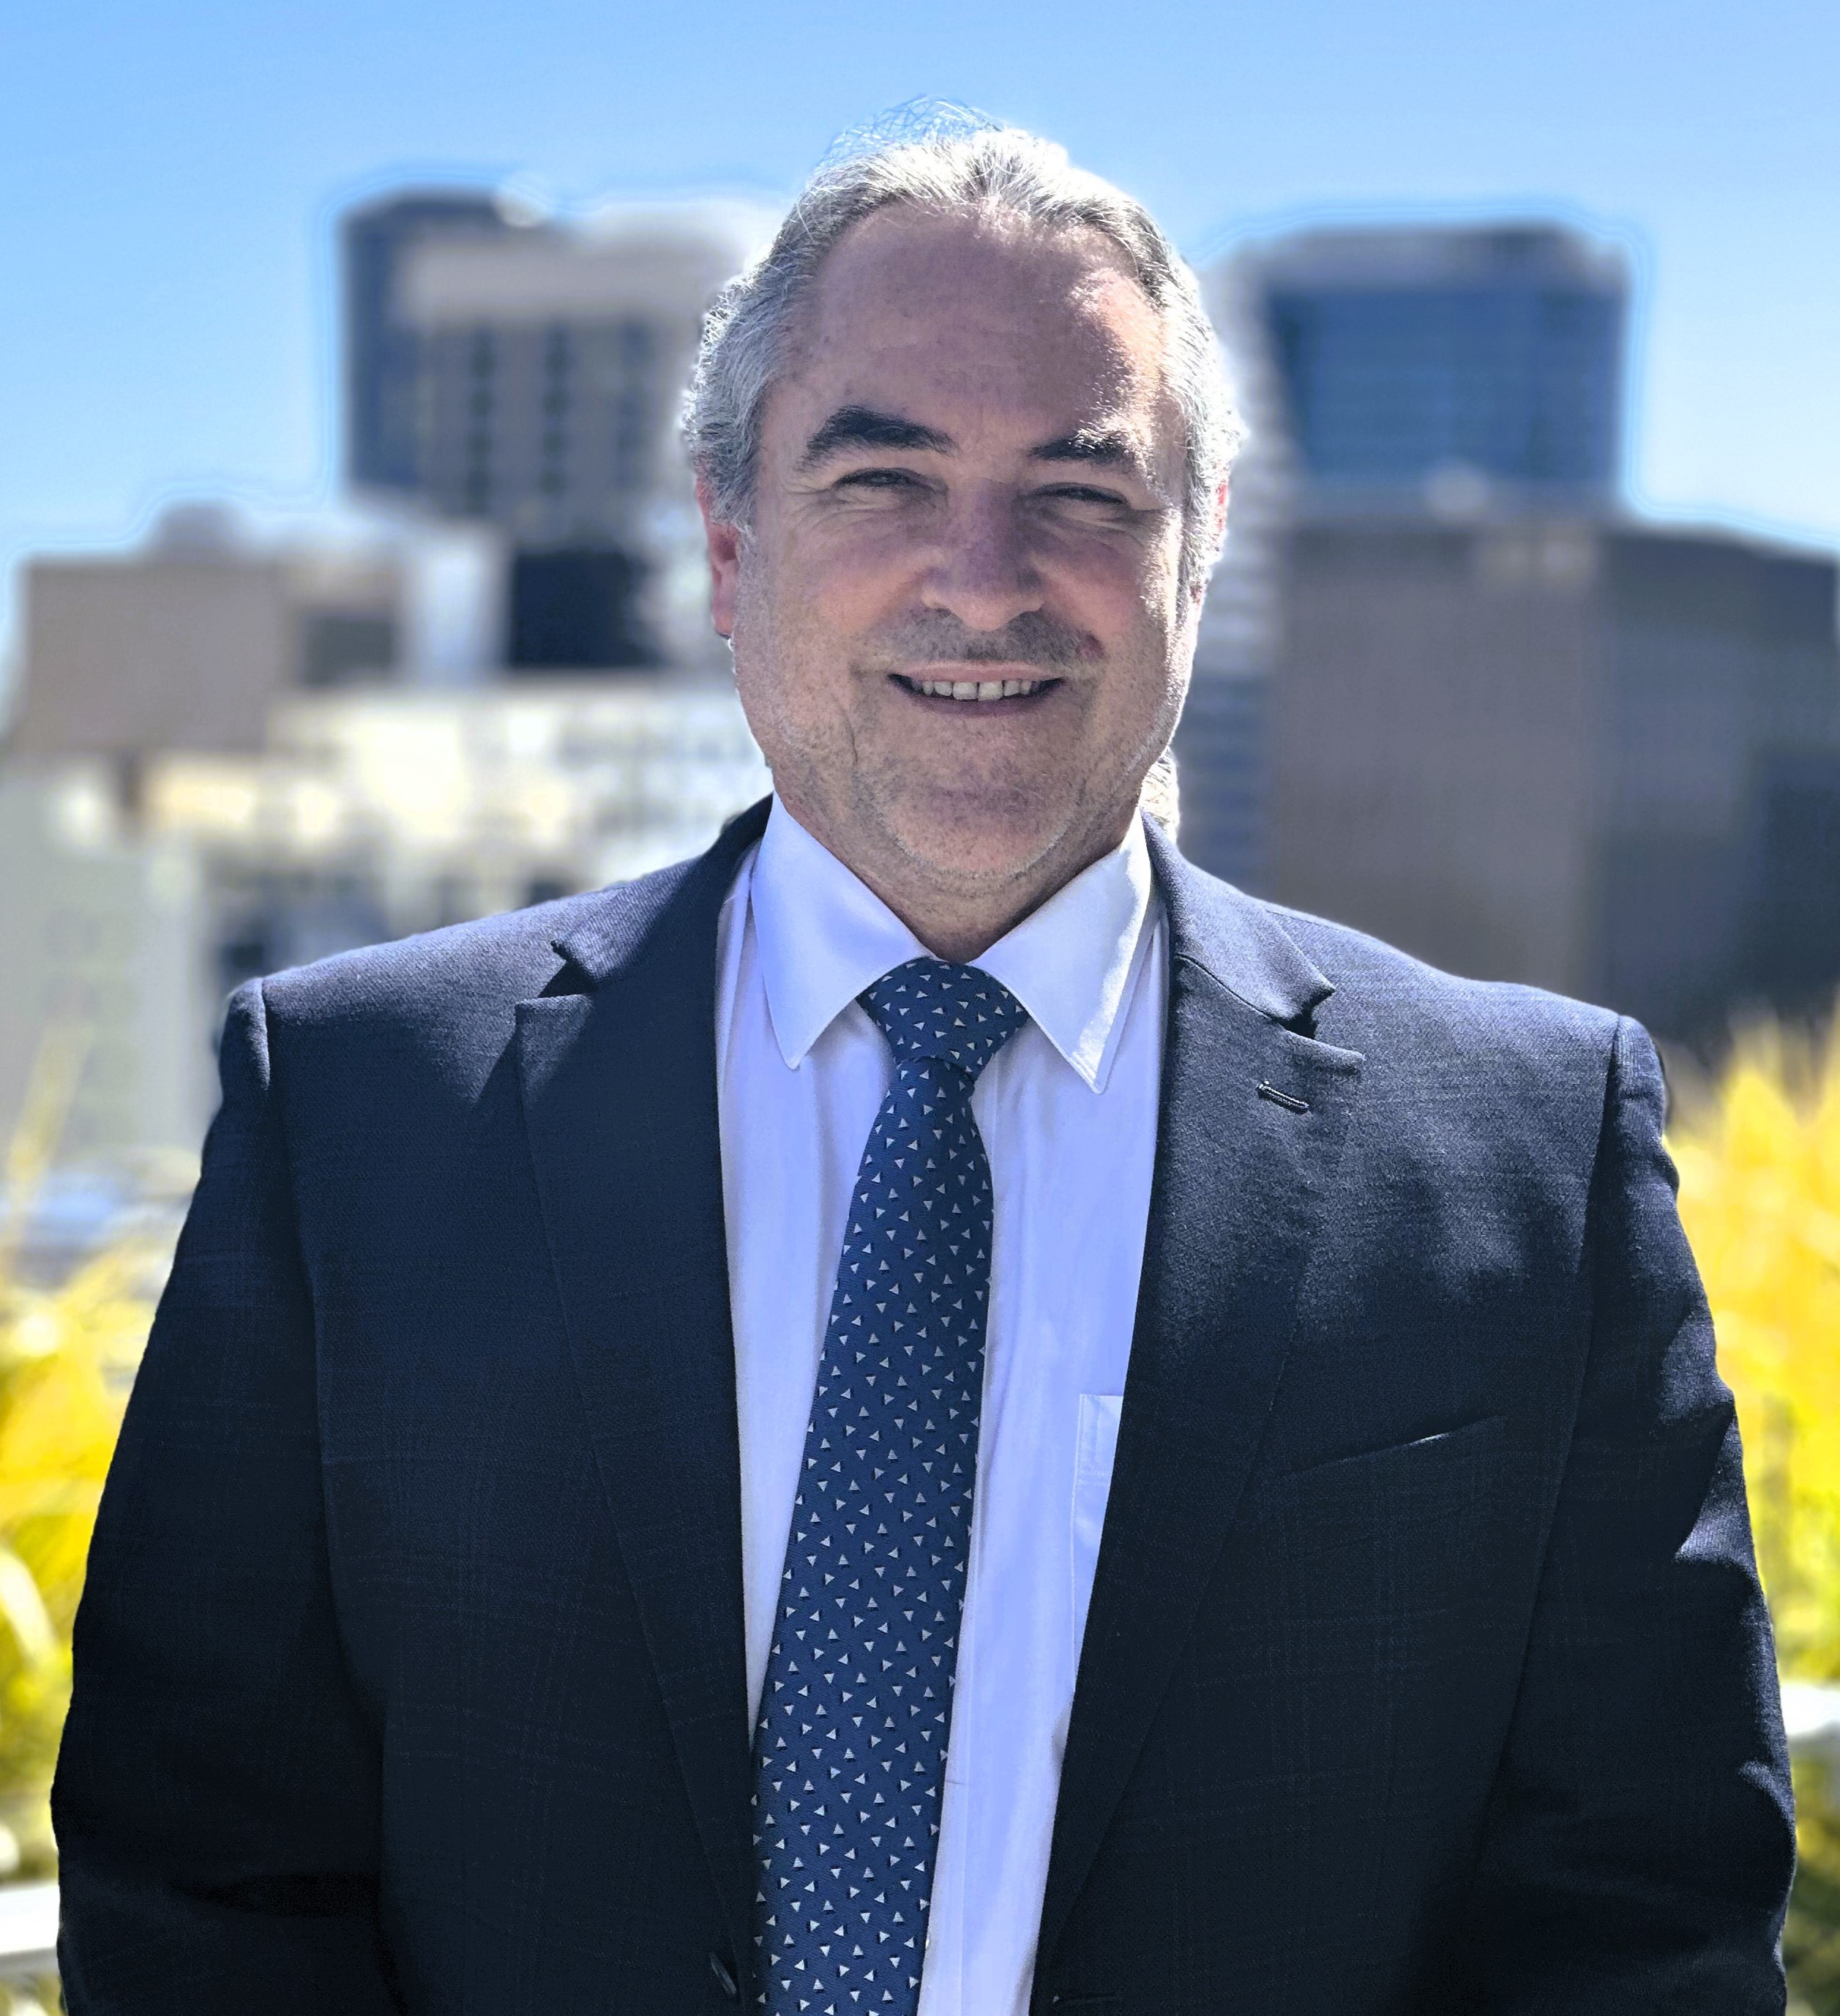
(998, 172)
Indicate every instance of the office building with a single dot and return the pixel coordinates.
(1223, 746)
(362, 816)
(1456, 369)
(381, 348)
(188, 643)
(367, 816)
(1601, 757)
(1474, 706)
(527, 377)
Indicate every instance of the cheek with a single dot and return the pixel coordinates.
(851, 570)
(1124, 594)
(787, 614)
(791, 663)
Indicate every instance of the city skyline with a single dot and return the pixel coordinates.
(174, 195)
(1434, 541)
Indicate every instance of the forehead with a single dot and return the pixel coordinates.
(1011, 323)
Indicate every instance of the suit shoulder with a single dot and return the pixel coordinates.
(506, 956)
(487, 963)
(1377, 982)
(1355, 961)
(1499, 1081)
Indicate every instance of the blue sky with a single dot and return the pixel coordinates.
(169, 176)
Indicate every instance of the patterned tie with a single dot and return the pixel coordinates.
(849, 1758)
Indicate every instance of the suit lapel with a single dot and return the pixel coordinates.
(619, 1083)
(1240, 1181)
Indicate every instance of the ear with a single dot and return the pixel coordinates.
(724, 542)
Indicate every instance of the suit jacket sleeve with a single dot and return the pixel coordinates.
(216, 1797)
(1639, 1845)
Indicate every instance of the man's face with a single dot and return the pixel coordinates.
(969, 483)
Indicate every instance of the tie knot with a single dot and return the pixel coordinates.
(931, 1008)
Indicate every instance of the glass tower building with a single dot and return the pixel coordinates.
(1457, 367)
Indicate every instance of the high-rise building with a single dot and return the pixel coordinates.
(1458, 367)
(382, 348)
(527, 377)
(1449, 691)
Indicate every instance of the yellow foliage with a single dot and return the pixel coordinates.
(66, 1359)
(67, 1356)
(1759, 1161)
(1811, 1939)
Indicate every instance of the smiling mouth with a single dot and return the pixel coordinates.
(984, 691)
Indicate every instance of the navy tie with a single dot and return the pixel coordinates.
(850, 1757)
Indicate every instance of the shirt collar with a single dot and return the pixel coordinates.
(823, 935)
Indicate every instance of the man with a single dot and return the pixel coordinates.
(932, 1411)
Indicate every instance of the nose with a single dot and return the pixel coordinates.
(984, 573)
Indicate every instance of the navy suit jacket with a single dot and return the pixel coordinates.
(1426, 1669)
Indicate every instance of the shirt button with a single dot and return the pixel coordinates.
(720, 1969)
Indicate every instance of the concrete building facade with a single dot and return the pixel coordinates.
(1603, 758)
(189, 643)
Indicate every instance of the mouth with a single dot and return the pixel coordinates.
(977, 693)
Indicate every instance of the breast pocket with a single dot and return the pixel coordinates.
(1418, 1525)
(1094, 1451)
(1413, 1479)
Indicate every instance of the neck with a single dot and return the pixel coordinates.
(958, 914)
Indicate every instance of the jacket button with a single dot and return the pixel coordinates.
(720, 1969)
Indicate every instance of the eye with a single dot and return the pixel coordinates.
(1084, 496)
(878, 479)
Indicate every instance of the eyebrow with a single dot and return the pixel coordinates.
(1099, 447)
(862, 426)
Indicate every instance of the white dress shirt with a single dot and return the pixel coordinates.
(1067, 1112)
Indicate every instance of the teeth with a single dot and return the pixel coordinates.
(977, 689)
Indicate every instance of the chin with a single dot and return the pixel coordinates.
(982, 837)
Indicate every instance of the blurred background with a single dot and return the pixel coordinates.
(349, 583)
